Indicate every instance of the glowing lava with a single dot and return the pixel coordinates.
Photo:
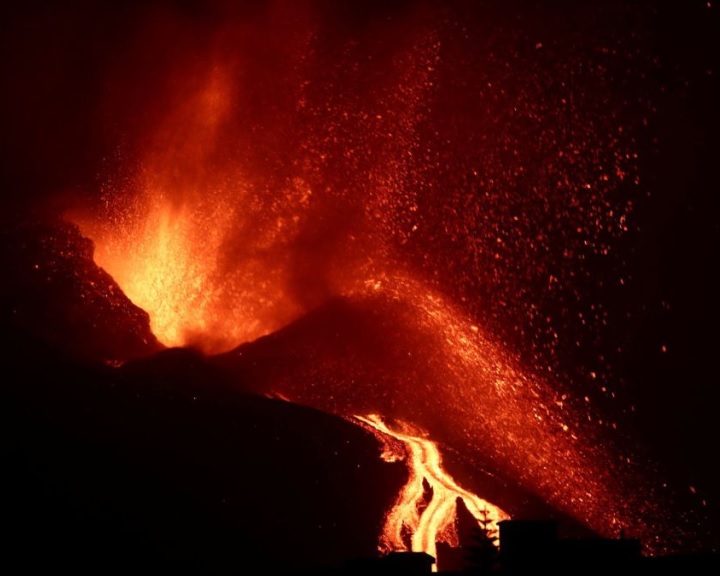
(427, 522)
(402, 350)
(163, 270)
(464, 189)
(190, 241)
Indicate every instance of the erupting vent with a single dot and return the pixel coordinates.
(464, 186)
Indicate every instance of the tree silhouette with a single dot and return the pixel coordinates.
(477, 537)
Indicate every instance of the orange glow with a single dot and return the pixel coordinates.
(165, 271)
(434, 367)
(190, 242)
(435, 521)
(249, 205)
(170, 263)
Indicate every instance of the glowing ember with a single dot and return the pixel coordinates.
(429, 364)
(167, 241)
(165, 272)
(477, 180)
(170, 264)
(427, 522)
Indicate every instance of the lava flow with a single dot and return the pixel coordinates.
(463, 189)
(426, 522)
(405, 352)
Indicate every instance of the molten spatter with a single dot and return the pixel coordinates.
(189, 240)
(480, 179)
(164, 270)
(412, 515)
(170, 263)
(403, 350)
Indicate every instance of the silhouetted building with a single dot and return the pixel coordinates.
(451, 558)
(685, 564)
(534, 544)
(527, 542)
(408, 563)
(598, 552)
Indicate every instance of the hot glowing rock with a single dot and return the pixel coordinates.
(434, 522)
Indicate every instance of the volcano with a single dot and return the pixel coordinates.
(295, 276)
(171, 458)
(165, 467)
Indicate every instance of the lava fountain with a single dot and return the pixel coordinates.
(399, 163)
(165, 241)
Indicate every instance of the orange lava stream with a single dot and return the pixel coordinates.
(424, 463)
